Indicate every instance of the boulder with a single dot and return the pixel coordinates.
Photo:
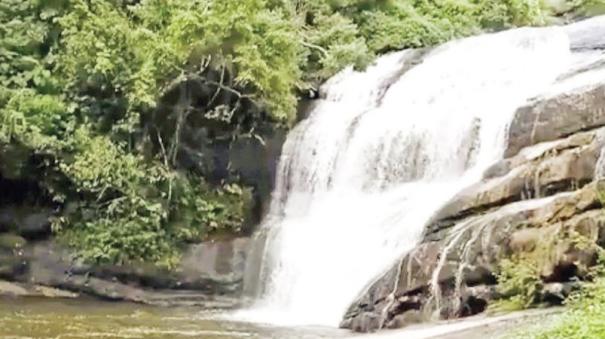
(13, 289)
(405, 319)
(218, 266)
(576, 104)
(587, 34)
(35, 225)
(557, 292)
(213, 267)
(28, 221)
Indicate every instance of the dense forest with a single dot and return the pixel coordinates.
(100, 99)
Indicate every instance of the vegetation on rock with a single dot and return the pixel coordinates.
(521, 281)
(522, 276)
(583, 316)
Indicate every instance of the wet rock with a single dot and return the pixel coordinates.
(467, 258)
(422, 260)
(525, 240)
(217, 266)
(557, 115)
(12, 289)
(408, 318)
(563, 259)
(476, 298)
(11, 265)
(111, 290)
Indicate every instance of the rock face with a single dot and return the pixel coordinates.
(210, 274)
(544, 197)
(31, 223)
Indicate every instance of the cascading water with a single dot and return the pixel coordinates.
(379, 154)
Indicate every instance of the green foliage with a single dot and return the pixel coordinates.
(519, 281)
(136, 52)
(333, 43)
(135, 209)
(583, 317)
(30, 117)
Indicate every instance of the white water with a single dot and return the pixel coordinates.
(360, 177)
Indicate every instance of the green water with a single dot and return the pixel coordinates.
(53, 318)
(22, 318)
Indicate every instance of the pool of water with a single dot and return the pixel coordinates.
(53, 318)
(22, 318)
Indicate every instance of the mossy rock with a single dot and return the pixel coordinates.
(10, 241)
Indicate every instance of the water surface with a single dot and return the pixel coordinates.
(22, 318)
(83, 318)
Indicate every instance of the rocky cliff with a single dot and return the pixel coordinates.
(544, 199)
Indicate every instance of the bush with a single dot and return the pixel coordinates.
(519, 283)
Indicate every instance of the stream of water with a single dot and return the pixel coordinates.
(378, 155)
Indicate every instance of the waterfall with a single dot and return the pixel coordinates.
(381, 151)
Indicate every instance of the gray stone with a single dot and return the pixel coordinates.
(218, 266)
(35, 225)
(408, 318)
(556, 116)
(210, 274)
(365, 322)
(588, 34)
(557, 292)
(14, 289)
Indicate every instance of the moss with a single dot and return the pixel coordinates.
(582, 319)
(521, 275)
(96, 100)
